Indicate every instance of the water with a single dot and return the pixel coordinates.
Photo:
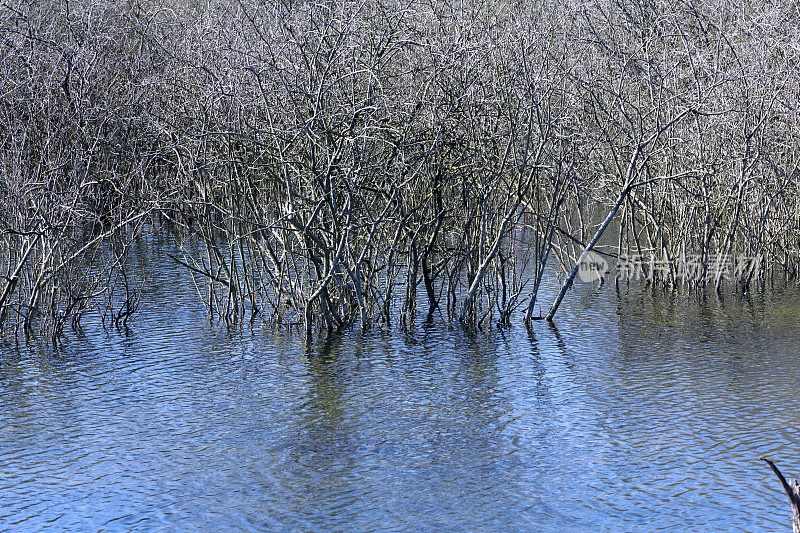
(639, 412)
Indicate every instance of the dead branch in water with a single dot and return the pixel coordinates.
(792, 491)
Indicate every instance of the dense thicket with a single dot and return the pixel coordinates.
(339, 162)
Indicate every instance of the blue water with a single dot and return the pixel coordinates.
(639, 412)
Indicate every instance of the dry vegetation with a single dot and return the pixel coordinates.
(359, 162)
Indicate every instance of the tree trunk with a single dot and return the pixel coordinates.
(574, 272)
(793, 491)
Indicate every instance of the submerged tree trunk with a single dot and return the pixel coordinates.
(792, 491)
(599, 233)
(629, 184)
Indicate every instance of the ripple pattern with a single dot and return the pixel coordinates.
(636, 413)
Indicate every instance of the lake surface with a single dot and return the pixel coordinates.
(640, 412)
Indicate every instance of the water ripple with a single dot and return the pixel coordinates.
(635, 413)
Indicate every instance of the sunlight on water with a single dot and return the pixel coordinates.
(639, 412)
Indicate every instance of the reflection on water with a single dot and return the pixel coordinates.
(640, 412)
